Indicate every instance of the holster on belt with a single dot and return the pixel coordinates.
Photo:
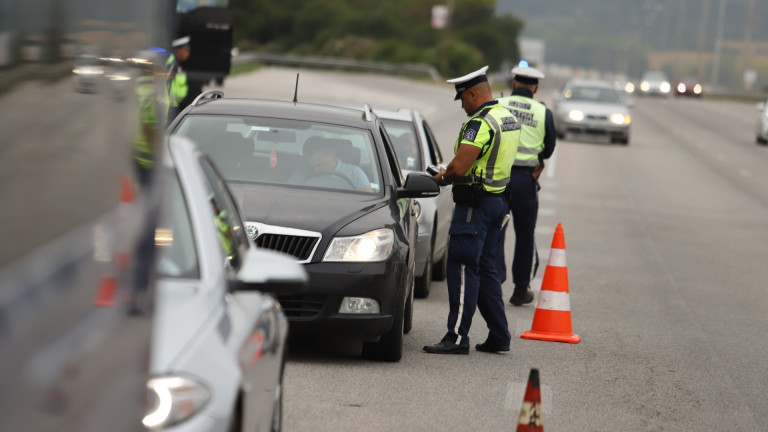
(471, 195)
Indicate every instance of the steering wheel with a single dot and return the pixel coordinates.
(336, 174)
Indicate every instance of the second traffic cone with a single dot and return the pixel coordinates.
(105, 297)
(552, 319)
(122, 256)
(530, 413)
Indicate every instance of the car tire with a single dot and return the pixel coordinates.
(390, 346)
(421, 286)
(408, 318)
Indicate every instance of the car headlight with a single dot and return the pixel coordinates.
(372, 246)
(619, 119)
(644, 86)
(681, 88)
(576, 115)
(176, 398)
(664, 87)
(697, 89)
(629, 87)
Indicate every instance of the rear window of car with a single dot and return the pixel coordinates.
(403, 137)
(593, 94)
(293, 153)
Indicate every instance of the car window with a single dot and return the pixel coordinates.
(294, 153)
(232, 236)
(406, 144)
(593, 94)
(434, 149)
(174, 238)
(393, 163)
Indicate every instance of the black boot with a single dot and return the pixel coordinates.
(521, 296)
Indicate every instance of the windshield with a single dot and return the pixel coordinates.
(593, 94)
(403, 137)
(294, 153)
(654, 76)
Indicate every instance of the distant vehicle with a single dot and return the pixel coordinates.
(322, 183)
(416, 148)
(688, 87)
(589, 108)
(88, 74)
(655, 83)
(761, 130)
(218, 344)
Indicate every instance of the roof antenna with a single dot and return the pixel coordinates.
(296, 91)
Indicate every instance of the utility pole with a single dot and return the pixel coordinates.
(718, 43)
(700, 43)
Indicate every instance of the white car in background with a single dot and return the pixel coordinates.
(655, 83)
(416, 148)
(761, 129)
(218, 344)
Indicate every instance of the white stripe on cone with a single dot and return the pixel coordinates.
(556, 258)
(554, 300)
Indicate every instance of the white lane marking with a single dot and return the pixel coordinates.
(544, 230)
(554, 301)
(547, 211)
(516, 394)
(546, 196)
(550, 166)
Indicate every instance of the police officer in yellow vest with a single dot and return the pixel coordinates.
(479, 171)
(537, 142)
(176, 86)
(147, 137)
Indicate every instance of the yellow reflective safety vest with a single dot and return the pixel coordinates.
(176, 87)
(224, 234)
(147, 116)
(531, 114)
(498, 135)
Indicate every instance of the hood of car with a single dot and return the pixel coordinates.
(311, 210)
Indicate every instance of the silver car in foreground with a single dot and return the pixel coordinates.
(416, 148)
(592, 108)
(218, 344)
(761, 127)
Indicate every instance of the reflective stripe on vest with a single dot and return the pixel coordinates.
(499, 157)
(532, 115)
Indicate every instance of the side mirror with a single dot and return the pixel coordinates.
(419, 185)
(271, 272)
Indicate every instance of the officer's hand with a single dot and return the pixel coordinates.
(439, 176)
(537, 171)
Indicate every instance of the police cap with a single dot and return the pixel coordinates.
(527, 75)
(468, 81)
(180, 42)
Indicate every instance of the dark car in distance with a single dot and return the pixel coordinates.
(323, 184)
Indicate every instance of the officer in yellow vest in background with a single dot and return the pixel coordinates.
(479, 172)
(176, 86)
(146, 143)
(537, 142)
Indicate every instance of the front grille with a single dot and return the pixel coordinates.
(301, 306)
(299, 246)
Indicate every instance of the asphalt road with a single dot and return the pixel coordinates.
(665, 244)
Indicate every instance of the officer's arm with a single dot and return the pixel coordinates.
(460, 165)
(550, 136)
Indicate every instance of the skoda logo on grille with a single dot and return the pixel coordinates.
(252, 230)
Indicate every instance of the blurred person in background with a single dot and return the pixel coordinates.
(537, 142)
(177, 87)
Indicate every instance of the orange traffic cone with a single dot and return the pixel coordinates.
(552, 319)
(105, 297)
(122, 256)
(530, 413)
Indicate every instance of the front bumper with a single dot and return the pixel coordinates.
(318, 309)
(612, 131)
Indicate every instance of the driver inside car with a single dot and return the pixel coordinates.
(322, 158)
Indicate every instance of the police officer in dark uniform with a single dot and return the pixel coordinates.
(537, 142)
(479, 171)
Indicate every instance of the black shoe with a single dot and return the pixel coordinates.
(491, 347)
(445, 347)
(521, 296)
